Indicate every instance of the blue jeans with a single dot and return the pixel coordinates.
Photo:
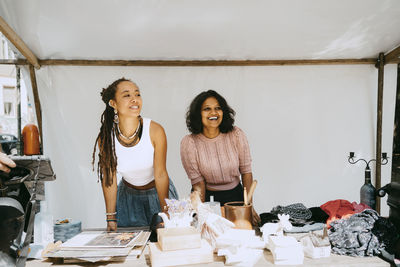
(136, 207)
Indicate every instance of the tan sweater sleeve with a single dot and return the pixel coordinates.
(189, 159)
(244, 151)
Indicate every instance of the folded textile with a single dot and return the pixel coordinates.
(359, 207)
(295, 211)
(337, 209)
(361, 235)
(387, 233)
(306, 228)
(268, 217)
(318, 215)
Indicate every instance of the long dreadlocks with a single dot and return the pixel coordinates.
(107, 164)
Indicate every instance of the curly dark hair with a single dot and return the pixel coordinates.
(107, 165)
(193, 115)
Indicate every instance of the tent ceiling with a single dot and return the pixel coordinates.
(203, 30)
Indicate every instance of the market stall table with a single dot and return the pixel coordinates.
(265, 260)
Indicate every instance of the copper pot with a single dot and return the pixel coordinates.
(239, 214)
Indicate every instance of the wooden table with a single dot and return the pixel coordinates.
(265, 260)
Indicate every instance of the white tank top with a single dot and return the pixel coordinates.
(135, 164)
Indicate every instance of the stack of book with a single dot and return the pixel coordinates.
(99, 246)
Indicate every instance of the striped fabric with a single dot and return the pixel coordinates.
(219, 161)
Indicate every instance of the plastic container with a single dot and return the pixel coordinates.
(43, 226)
(66, 229)
(215, 206)
(30, 136)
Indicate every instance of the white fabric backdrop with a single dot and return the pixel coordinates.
(301, 122)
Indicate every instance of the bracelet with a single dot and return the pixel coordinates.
(111, 213)
(111, 220)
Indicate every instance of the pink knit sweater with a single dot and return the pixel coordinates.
(219, 161)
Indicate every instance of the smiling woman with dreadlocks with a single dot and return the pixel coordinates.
(135, 148)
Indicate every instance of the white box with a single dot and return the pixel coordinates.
(159, 258)
(314, 252)
(178, 238)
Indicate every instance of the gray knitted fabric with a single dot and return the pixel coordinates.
(354, 237)
(306, 228)
(295, 211)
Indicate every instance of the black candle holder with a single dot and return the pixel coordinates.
(352, 156)
(368, 191)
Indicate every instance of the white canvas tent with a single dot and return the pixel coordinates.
(301, 117)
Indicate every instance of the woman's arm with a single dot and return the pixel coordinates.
(247, 179)
(110, 199)
(245, 167)
(190, 164)
(161, 178)
(201, 188)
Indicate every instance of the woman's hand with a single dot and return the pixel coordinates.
(111, 226)
(6, 163)
(165, 210)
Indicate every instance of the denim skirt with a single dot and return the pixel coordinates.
(136, 207)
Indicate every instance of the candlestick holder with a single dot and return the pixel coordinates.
(368, 191)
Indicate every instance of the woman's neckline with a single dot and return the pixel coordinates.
(205, 138)
(119, 139)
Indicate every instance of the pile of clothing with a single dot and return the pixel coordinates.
(362, 234)
(357, 230)
(354, 229)
(303, 219)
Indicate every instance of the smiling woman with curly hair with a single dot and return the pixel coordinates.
(216, 155)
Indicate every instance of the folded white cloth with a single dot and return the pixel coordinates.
(282, 241)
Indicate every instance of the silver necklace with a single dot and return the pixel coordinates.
(128, 137)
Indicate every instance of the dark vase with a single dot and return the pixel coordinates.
(368, 191)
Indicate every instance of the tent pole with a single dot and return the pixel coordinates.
(18, 78)
(393, 56)
(38, 108)
(380, 65)
(13, 37)
(197, 63)
(206, 63)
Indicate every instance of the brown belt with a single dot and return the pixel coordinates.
(150, 185)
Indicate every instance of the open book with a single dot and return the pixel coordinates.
(102, 240)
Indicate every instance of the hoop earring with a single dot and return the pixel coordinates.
(116, 119)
